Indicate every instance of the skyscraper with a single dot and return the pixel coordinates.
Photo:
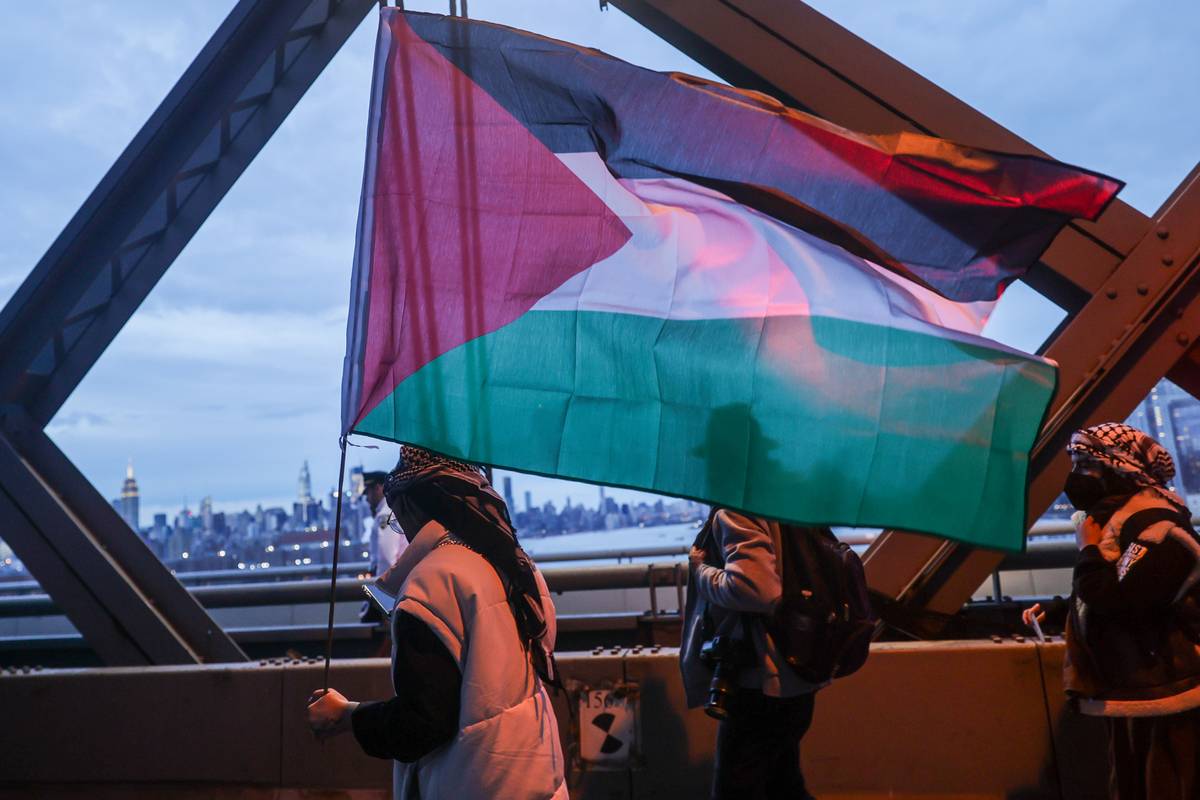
(529, 501)
(129, 499)
(206, 513)
(304, 485)
(1167, 415)
(160, 530)
(1185, 420)
(508, 495)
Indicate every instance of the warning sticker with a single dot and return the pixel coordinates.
(608, 726)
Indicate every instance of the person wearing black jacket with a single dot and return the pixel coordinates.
(1133, 624)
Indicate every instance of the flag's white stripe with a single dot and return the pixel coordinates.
(696, 254)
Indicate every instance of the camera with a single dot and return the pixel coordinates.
(727, 656)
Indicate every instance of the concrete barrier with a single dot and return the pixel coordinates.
(949, 719)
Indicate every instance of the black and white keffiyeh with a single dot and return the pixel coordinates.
(1125, 451)
(416, 460)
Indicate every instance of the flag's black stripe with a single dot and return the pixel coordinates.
(647, 124)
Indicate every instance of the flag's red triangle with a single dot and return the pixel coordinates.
(475, 219)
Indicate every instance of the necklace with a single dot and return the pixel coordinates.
(450, 538)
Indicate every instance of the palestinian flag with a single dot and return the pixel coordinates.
(570, 266)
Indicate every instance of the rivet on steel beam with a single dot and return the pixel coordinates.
(1111, 294)
(1143, 289)
(1182, 339)
(1162, 233)
(1167, 261)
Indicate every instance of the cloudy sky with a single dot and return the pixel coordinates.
(228, 376)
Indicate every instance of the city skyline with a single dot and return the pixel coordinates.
(544, 489)
(303, 532)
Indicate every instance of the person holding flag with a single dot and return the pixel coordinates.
(473, 636)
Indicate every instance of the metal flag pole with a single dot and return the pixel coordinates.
(337, 541)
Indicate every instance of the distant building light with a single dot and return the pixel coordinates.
(297, 562)
(325, 544)
(345, 542)
(295, 547)
(308, 561)
(270, 548)
(185, 555)
(241, 565)
(366, 554)
(221, 553)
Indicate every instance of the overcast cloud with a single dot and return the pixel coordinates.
(228, 377)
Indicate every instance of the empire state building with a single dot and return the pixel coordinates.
(304, 485)
(129, 499)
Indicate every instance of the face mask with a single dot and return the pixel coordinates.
(1084, 490)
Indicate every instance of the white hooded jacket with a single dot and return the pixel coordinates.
(507, 745)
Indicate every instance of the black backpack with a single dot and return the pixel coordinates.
(824, 622)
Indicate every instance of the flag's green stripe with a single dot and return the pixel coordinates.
(817, 419)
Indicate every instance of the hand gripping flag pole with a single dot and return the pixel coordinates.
(337, 541)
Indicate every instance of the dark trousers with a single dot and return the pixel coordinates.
(1155, 758)
(758, 747)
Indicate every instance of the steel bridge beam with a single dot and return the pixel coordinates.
(105, 578)
(220, 114)
(1126, 281)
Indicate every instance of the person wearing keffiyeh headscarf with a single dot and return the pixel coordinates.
(427, 486)
(1133, 619)
(473, 635)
